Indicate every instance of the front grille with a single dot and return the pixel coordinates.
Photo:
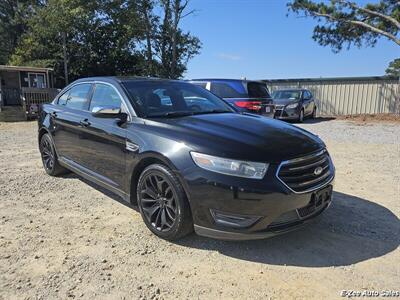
(306, 173)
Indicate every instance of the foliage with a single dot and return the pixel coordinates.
(103, 37)
(394, 68)
(346, 23)
(13, 22)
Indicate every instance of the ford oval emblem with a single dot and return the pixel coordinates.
(318, 171)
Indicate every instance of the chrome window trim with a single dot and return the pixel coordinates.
(295, 160)
(128, 107)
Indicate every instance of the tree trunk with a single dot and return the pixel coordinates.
(149, 53)
(174, 37)
(64, 46)
(165, 31)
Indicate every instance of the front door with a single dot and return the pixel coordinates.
(105, 139)
(306, 102)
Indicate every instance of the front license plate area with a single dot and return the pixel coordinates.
(319, 200)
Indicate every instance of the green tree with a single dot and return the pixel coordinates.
(96, 39)
(346, 23)
(394, 68)
(106, 37)
(13, 23)
(168, 48)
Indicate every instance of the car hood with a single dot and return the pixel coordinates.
(238, 136)
(284, 101)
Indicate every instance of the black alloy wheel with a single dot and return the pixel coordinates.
(163, 203)
(47, 154)
(49, 157)
(158, 201)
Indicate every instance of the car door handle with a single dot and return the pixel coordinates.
(85, 123)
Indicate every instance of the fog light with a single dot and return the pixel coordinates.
(233, 220)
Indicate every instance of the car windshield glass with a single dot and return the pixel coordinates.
(286, 95)
(173, 99)
(257, 90)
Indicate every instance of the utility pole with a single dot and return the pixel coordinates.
(64, 45)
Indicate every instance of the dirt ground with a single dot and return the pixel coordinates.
(65, 238)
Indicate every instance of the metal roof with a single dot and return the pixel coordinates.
(24, 68)
(224, 80)
(365, 78)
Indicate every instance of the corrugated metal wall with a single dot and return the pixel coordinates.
(348, 97)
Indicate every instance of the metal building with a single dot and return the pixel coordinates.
(348, 95)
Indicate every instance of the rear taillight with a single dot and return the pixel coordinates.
(251, 105)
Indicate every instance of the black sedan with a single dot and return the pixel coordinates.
(294, 104)
(186, 158)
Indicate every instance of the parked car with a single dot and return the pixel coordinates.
(294, 104)
(243, 95)
(226, 174)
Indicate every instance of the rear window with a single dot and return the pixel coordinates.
(226, 90)
(257, 90)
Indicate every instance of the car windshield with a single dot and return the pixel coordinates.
(286, 95)
(158, 98)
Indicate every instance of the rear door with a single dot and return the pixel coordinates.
(67, 119)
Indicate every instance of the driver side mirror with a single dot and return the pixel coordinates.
(110, 112)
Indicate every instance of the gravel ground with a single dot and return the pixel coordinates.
(67, 238)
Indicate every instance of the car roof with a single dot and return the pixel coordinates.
(227, 79)
(120, 79)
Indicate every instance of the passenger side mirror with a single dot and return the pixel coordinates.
(110, 112)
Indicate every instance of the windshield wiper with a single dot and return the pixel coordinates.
(213, 111)
(171, 114)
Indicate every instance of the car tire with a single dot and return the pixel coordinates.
(49, 157)
(163, 203)
(301, 116)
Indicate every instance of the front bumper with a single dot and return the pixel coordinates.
(273, 231)
(275, 208)
(285, 114)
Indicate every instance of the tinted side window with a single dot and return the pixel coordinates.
(257, 90)
(307, 95)
(223, 90)
(78, 96)
(105, 95)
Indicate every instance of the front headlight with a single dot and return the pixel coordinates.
(232, 167)
(293, 105)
